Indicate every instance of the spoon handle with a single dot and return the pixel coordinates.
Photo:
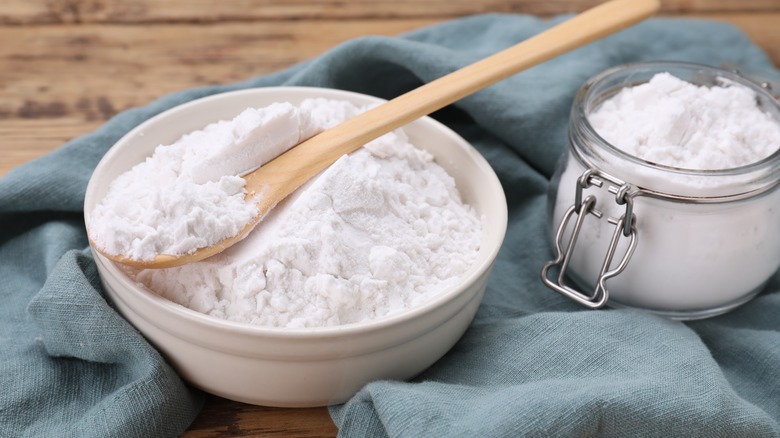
(283, 175)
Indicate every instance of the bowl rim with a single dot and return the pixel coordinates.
(481, 267)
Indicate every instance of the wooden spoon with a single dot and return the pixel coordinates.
(280, 177)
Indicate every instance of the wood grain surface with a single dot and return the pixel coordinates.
(69, 65)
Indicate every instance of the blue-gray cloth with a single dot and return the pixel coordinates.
(531, 364)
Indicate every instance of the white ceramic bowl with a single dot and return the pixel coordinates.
(301, 367)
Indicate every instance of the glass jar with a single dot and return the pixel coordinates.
(682, 243)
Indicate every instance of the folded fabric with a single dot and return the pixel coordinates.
(531, 364)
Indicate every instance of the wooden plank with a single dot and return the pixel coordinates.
(221, 417)
(148, 11)
(55, 78)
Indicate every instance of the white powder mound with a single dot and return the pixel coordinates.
(675, 123)
(188, 194)
(380, 231)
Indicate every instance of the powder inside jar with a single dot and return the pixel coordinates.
(675, 123)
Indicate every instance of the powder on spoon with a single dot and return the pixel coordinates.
(675, 123)
(189, 194)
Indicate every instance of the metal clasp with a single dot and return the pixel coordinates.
(625, 226)
(771, 86)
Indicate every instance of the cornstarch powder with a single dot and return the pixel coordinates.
(676, 123)
(692, 258)
(380, 231)
(188, 194)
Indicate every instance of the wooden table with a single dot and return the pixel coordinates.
(69, 65)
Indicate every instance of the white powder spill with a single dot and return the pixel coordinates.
(676, 123)
(380, 231)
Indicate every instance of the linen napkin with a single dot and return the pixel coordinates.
(531, 364)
